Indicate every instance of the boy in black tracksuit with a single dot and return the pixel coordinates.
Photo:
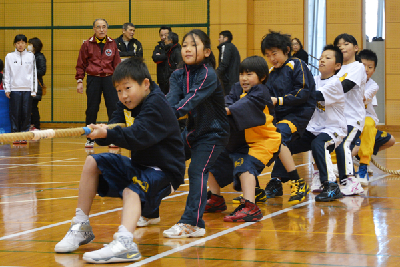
(292, 89)
(157, 163)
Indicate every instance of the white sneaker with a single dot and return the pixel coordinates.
(182, 230)
(89, 144)
(143, 221)
(316, 183)
(370, 170)
(121, 249)
(335, 170)
(77, 235)
(351, 186)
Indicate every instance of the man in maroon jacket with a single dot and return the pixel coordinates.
(98, 57)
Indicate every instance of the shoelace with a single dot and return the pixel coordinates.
(241, 206)
(294, 188)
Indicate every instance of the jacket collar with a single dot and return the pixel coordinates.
(220, 45)
(93, 39)
(22, 53)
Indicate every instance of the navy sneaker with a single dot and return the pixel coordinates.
(274, 188)
(330, 192)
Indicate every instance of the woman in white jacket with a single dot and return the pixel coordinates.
(20, 84)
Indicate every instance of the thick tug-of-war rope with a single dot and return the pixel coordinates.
(37, 135)
(383, 168)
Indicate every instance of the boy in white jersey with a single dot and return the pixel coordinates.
(327, 127)
(353, 77)
(372, 140)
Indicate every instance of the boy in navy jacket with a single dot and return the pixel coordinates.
(157, 163)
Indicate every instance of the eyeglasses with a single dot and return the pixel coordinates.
(101, 27)
(295, 43)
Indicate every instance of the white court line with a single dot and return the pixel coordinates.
(30, 200)
(69, 221)
(202, 240)
(40, 183)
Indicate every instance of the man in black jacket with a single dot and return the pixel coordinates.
(127, 45)
(174, 55)
(161, 59)
(229, 61)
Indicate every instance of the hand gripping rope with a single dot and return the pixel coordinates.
(41, 134)
(383, 168)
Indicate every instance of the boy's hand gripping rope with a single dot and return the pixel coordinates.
(41, 134)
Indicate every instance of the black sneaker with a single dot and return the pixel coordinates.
(299, 191)
(259, 193)
(330, 191)
(274, 188)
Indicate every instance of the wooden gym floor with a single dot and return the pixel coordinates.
(39, 190)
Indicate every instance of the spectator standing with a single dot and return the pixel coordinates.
(298, 50)
(98, 57)
(160, 58)
(174, 56)
(229, 61)
(35, 46)
(127, 45)
(20, 84)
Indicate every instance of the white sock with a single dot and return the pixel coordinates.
(80, 216)
(124, 232)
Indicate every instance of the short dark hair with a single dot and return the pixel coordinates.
(255, 64)
(278, 40)
(338, 54)
(227, 34)
(298, 40)
(20, 37)
(132, 68)
(346, 37)
(126, 25)
(369, 55)
(165, 28)
(37, 44)
(1, 67)
(173, 37)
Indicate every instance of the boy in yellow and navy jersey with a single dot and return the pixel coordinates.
(292, 88)
(254, 141)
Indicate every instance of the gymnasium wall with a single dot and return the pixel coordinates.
(250, 20)
(63, 25)
(392, 61)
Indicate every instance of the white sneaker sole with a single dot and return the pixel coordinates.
(146, 223)
(199, 233)
(109, 260)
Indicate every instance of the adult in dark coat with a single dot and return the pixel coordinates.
(228, 62)
(127, 45)
(174, 55)
(161, 59)
(35, 46)
(298, 50)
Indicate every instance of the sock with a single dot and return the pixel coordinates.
(293, 175)
(80, 216)
(122, 231)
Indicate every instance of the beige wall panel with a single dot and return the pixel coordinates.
(250, 39)
(150, 12)
(392, 87)
(333, 30)
(22, 14)
(278, 12)
(2, 13)
(233, 11)
(392, 61)
(239, 33)
(215, 12)
(85, 12)
(214, 35)
(393, 112)
(71, 40)
(392, 9)
(392, 35)
(339, 11)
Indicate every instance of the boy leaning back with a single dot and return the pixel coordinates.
(292, 89)
(157, 162)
